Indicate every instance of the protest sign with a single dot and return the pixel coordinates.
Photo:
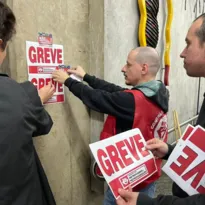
(186, 164)
(42, 60)
(123, 160)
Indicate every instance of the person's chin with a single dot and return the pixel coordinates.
(127, 82)
(191, 74)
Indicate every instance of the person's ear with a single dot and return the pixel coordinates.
(145, 68)
(1, 43)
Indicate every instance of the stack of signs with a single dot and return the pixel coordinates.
(186, 164)
(123, 160)
(43, 58)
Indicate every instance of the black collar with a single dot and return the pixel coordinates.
(4, 75)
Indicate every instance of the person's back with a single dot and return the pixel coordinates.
(20, 121)
(22, 116)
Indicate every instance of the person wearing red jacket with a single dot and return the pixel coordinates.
(144, 106)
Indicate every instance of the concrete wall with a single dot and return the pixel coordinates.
(97, 35)
(96, 53)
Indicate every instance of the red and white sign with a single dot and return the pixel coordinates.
(186, 164)
(42, 61)
(45, 39)
(123, 160)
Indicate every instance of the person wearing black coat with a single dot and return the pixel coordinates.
(22, 117)
(194, 64)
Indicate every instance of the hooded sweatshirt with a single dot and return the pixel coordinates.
(110, 99)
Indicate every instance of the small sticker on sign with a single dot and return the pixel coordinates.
(45, 39)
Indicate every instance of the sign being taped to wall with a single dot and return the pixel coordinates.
(42, 60)
(123, 160)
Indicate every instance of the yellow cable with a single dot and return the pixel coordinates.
(168, 32)
(142, 24)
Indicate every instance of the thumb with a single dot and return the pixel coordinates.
(70, 71)
(120, 201)
(125, 194)
(52, 87)
(130, 188)
(153, 146)
(152, 141)
(49, 84)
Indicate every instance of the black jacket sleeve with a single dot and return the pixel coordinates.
(97, 83)
(119, 104)
(170, 149)
(41, 120)
(198, 199)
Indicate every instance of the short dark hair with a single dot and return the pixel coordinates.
(7, 24)
(201, 31)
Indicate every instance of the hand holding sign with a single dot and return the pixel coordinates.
(78, 71)
(60, 76)
(127, 197)
(123, 160)
(158, 147)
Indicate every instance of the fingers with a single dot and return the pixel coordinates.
(54, 76)
(52, 87)
(125, 194)
(120, 201)
(153, 144)
(52, 90)
(60, 76)
(152, 147)
(71, 71)
(56, 73)
(74, 68)
(153, 141)
(78, 71)
(130, 188)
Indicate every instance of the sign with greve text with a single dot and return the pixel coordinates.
(42, 60)
(123, 160)
(186, 164)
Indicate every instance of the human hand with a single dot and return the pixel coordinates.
(158, 147)
(78, 71)
(60, 76)
(46, 92)
(127, 197)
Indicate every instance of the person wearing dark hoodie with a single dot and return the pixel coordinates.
(144, 106)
